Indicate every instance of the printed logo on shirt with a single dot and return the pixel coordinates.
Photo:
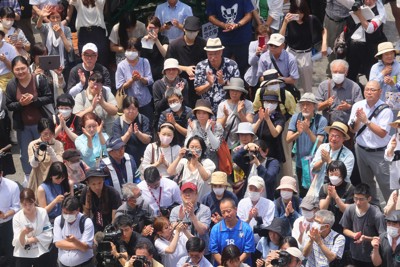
(229, 13)
(230, 242)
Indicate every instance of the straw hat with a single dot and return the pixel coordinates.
(236, 84)
(384, 47)
(396, 123)
(204, 105)
(341, 127)
(270, 76)
(288, 182)
(219, 178)
(214, 44)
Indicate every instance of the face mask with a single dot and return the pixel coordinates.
(338, 78)
(175, 106)
(286, 194)
(270, 106)
(254, 196)
(392, 231)
(69, 218)
(131, 55)
(219, 191)
(166, 140)
(7, 23)
(273, 87)
(65, 112)
(198, 152)
(191, 35)
(335, 180)
(316, 226)
(308, 214)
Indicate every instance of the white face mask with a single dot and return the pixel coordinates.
(131, 55)
(270, 106)
(166, 140)
(335, 180)
(273, 87)
(392, 231)
(338, 78)
(7, 23)
(65, 112)
(175, 106)
(254, 196)
(219, 191)
(69, 218)
(286, 194)
(308, 214)
(191, 35)
(316, 226)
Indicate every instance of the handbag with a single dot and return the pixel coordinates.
(305, 165)
(119, 97)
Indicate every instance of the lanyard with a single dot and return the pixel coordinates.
(159, 197)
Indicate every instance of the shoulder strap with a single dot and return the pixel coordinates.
(82, 223)
(230, 128)
(334, 239)
(121, 122)
(375, 113)
(62, 222)
(275, 65)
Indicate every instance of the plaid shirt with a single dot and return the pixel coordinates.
(318, 258)
(13, 4)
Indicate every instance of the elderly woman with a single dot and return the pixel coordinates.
(98, 100)
(134, 76)
(234, 110)
(386, 70)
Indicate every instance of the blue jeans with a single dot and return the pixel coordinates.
(25, 136)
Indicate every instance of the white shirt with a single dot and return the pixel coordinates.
(74, 257)
(394, 165)
(202, 263)
(169, 190)
(171, 260)
(9, 51)
(87, 17)
(296, 231)
(170, 154)
(9, 197)
(367, 138)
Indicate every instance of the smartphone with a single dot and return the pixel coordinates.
(295, 17)
(261, 41)
(169, 23)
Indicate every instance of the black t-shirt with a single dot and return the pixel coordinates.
(299, 36)
(133, 241)
(155, 58)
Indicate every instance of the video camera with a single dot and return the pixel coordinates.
(356, 6)
(283, 260)
(249, 156)
(141, 261)
(110, 234)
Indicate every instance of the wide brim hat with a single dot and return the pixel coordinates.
(95, 172)
(266, 83)
(236, 84)
(204, 105)
(308, 97)
(219, 178)
(309, 203)
(171, 63)
(396, 123)
(339, 126)
(245, 128)
(214, 44)
(270, 76)
(288, 182)
(192, 23)
(384, 48)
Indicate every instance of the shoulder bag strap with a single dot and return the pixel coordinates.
(275, 65)
(374, 114)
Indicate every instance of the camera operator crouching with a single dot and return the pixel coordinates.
(291, 257)
(144, 256)
(124, 244)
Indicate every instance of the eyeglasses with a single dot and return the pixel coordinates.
(173, 102)
(359, 199)
(334, 136)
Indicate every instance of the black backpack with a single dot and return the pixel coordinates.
(82, 221)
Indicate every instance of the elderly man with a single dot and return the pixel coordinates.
(231, 231)
(334, 150)
(192, 211)
(278, 58)
(213, 73)
(337, 95)
(370, 119)
(79, 75)
(305, 128)
(325, 245)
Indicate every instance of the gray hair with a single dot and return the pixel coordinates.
(127, 190)
(339, 62)
(173, 91)
(327, 216)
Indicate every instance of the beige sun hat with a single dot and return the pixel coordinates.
(385, 47)
(204, 105)
(219, 178)
(288, 182)
(171, 63)
(341, 127)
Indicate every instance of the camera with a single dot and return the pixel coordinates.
(42, 146)
(78, 189)
(249, 156)
(110, 234)
(283, 260)
(356, 6)
(189, 154)
(185, 222)
(259, 228)
(165, 211)
(141, 261)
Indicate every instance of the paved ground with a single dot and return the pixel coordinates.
(319, 76)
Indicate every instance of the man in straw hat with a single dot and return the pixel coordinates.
(369, 120)
(392, 149)
(334, 150)
(386, 70)
(337, 95)
(213, 73)
(305, 128)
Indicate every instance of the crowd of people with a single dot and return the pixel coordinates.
(149, 146)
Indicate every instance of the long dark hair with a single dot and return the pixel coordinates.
(127, 20)
(60, 170)
(300, 6)
(202, 144)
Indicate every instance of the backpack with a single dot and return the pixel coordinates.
(82, 221)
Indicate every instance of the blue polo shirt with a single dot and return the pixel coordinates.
(241, 236)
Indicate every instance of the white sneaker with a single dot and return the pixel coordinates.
(26, 181)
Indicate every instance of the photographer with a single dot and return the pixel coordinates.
(43, 152)
(291, 257)
(143, 257)
(137, 209)
(363, 38)
(195, 248)
(254, 161)
(159, 193)
(73, 235)
(127, 241)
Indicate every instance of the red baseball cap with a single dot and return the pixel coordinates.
(190, 186)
